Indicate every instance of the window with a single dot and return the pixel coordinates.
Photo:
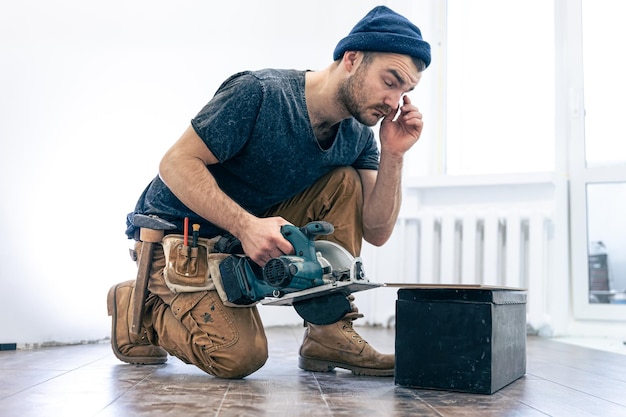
(500, 87)
(598, 166)
(605, 87)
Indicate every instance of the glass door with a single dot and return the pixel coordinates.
(598, 165)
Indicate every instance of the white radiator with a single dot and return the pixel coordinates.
(473, 246)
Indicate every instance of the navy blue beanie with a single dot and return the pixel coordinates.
(383, 30)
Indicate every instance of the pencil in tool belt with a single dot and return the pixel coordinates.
(186, 231)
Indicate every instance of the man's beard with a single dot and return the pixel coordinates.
(351, 95)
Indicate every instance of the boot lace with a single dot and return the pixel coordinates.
(349, 329)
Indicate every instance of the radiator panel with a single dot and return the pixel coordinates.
(500, 248)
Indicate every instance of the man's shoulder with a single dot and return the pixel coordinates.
(263, 78)
(275, 73)
(266, 74)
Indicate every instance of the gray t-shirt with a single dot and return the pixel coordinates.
(257, 126)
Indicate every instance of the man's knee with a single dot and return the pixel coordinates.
(222, 341)
(343, 207)
(237, 361)
(347, 177)
(242, 347)
(344, 187)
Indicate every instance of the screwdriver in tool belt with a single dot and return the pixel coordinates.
(196, 231)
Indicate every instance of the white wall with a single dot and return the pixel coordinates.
(92, 93)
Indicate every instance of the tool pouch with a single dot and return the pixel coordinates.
(187, 268)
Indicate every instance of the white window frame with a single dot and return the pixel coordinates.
(580, 174)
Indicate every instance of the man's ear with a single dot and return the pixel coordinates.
(351, 60)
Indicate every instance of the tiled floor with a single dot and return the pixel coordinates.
(87, 380)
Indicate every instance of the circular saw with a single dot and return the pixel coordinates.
(316, 280)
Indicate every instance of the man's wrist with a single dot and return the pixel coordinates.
(396, 158)
(242, 222)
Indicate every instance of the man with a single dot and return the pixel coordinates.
(276, 147)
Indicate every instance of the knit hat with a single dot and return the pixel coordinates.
(383, 30)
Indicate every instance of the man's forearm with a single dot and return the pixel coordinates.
(382, 206)
(197, 189)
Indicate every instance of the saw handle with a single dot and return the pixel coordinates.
(303, 238)
(318, 228)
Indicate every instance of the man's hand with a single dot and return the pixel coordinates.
(397, 136)
(261, 239)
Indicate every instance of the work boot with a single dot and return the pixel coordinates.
(130, 348)
(339, 346)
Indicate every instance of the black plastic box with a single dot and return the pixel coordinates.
(460, 338)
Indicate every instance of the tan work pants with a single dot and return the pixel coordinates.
(230, 342)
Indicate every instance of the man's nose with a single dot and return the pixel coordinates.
(393, 100)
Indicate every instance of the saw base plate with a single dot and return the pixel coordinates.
(346, 288)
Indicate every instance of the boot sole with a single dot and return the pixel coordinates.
(318, 365)
(133, 360)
